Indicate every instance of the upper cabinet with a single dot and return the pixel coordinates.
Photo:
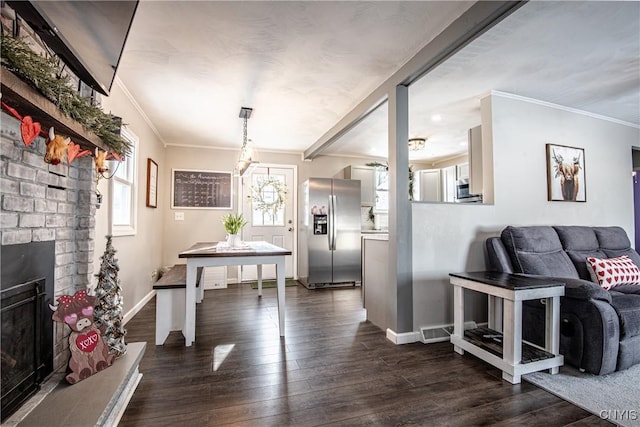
(374, 186)
(367, 177)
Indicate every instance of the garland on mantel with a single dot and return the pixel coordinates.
(45, 75)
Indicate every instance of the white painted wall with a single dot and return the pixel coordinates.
(138, 256)
(205, 225)
(450, 238)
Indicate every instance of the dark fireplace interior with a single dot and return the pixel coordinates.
(27, 288)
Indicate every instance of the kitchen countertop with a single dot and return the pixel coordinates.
(375, 236)
(370, 231)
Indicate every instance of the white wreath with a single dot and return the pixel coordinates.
(269, 207)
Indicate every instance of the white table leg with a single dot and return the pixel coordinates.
(458, 315)
(552, 328)
(495, 313)
(280, 273)
(189, 330)
(512, 337)
(259, 268)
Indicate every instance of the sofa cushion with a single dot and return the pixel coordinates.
(612, 272)
(580, 243)
(614, 242)
(537, 250)
(627, 305)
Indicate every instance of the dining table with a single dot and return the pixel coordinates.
(217, 254)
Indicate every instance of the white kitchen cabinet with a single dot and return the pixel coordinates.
(430, 185)
(378, 294)
(475, 160)
(367, 177)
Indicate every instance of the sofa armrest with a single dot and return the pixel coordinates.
(579, 289)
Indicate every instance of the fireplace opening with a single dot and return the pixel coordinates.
(27, 345)
(22, 367)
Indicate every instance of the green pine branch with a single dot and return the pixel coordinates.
(45, 75)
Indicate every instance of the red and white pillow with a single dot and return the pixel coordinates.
(613, 272)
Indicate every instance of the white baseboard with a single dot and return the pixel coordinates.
(136, 308)
(403, 337)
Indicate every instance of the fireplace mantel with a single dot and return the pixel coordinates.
(29, 102)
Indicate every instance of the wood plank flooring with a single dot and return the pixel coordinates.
(332, 368)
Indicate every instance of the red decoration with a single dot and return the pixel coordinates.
(28, 128)
(114, 156)
(74, 151)
(89, 352)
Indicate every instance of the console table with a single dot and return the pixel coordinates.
(501, 344)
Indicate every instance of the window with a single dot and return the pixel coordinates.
(123, 191)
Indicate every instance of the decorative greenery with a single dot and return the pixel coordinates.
(45, 75)
(276, 199)
(385, 166)
(372, 216)
(233, 223)
(378, 165)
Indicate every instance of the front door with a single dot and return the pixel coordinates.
(268, 197)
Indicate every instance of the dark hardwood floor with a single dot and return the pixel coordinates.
(333, 368)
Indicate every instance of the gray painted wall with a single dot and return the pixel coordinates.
(449, 238)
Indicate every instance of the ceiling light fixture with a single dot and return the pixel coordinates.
(417, 144)
(246, 152)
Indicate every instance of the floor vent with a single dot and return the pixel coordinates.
(441, 333)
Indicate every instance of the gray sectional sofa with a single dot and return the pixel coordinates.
(600, 329)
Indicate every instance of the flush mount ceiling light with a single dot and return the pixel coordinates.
(417, 144)
(246, 152)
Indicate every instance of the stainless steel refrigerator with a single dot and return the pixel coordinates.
(330, 245)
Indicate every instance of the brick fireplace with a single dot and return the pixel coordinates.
(50, 206)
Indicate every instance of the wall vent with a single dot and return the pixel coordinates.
(441, 333)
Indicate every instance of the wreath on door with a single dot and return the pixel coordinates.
(269, 195)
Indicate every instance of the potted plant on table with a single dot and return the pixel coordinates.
(233, 224)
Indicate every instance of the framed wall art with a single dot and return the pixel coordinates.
(566, 174)
(200, 189)
(152, 184)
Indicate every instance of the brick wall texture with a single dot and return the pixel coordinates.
(41, 202)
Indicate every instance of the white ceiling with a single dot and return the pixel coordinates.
(302, 66)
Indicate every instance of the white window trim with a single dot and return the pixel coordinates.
(127, 230)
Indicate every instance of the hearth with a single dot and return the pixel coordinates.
(27, 288)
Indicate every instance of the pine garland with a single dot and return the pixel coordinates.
(45, 75)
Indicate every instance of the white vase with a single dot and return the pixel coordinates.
(233, 240)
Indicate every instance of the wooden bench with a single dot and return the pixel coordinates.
(170, 300)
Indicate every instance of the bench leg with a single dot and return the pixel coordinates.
(163, 319)
(169, 312)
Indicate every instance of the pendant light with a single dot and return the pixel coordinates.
(246, 152)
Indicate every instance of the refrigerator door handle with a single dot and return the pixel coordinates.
(332, 214)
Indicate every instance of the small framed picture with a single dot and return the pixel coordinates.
(152, 184)
(566, 174)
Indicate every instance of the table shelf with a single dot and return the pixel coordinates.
(491, 341)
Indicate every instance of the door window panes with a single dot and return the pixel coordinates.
(266, 191)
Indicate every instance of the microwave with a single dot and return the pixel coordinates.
(463, 195)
